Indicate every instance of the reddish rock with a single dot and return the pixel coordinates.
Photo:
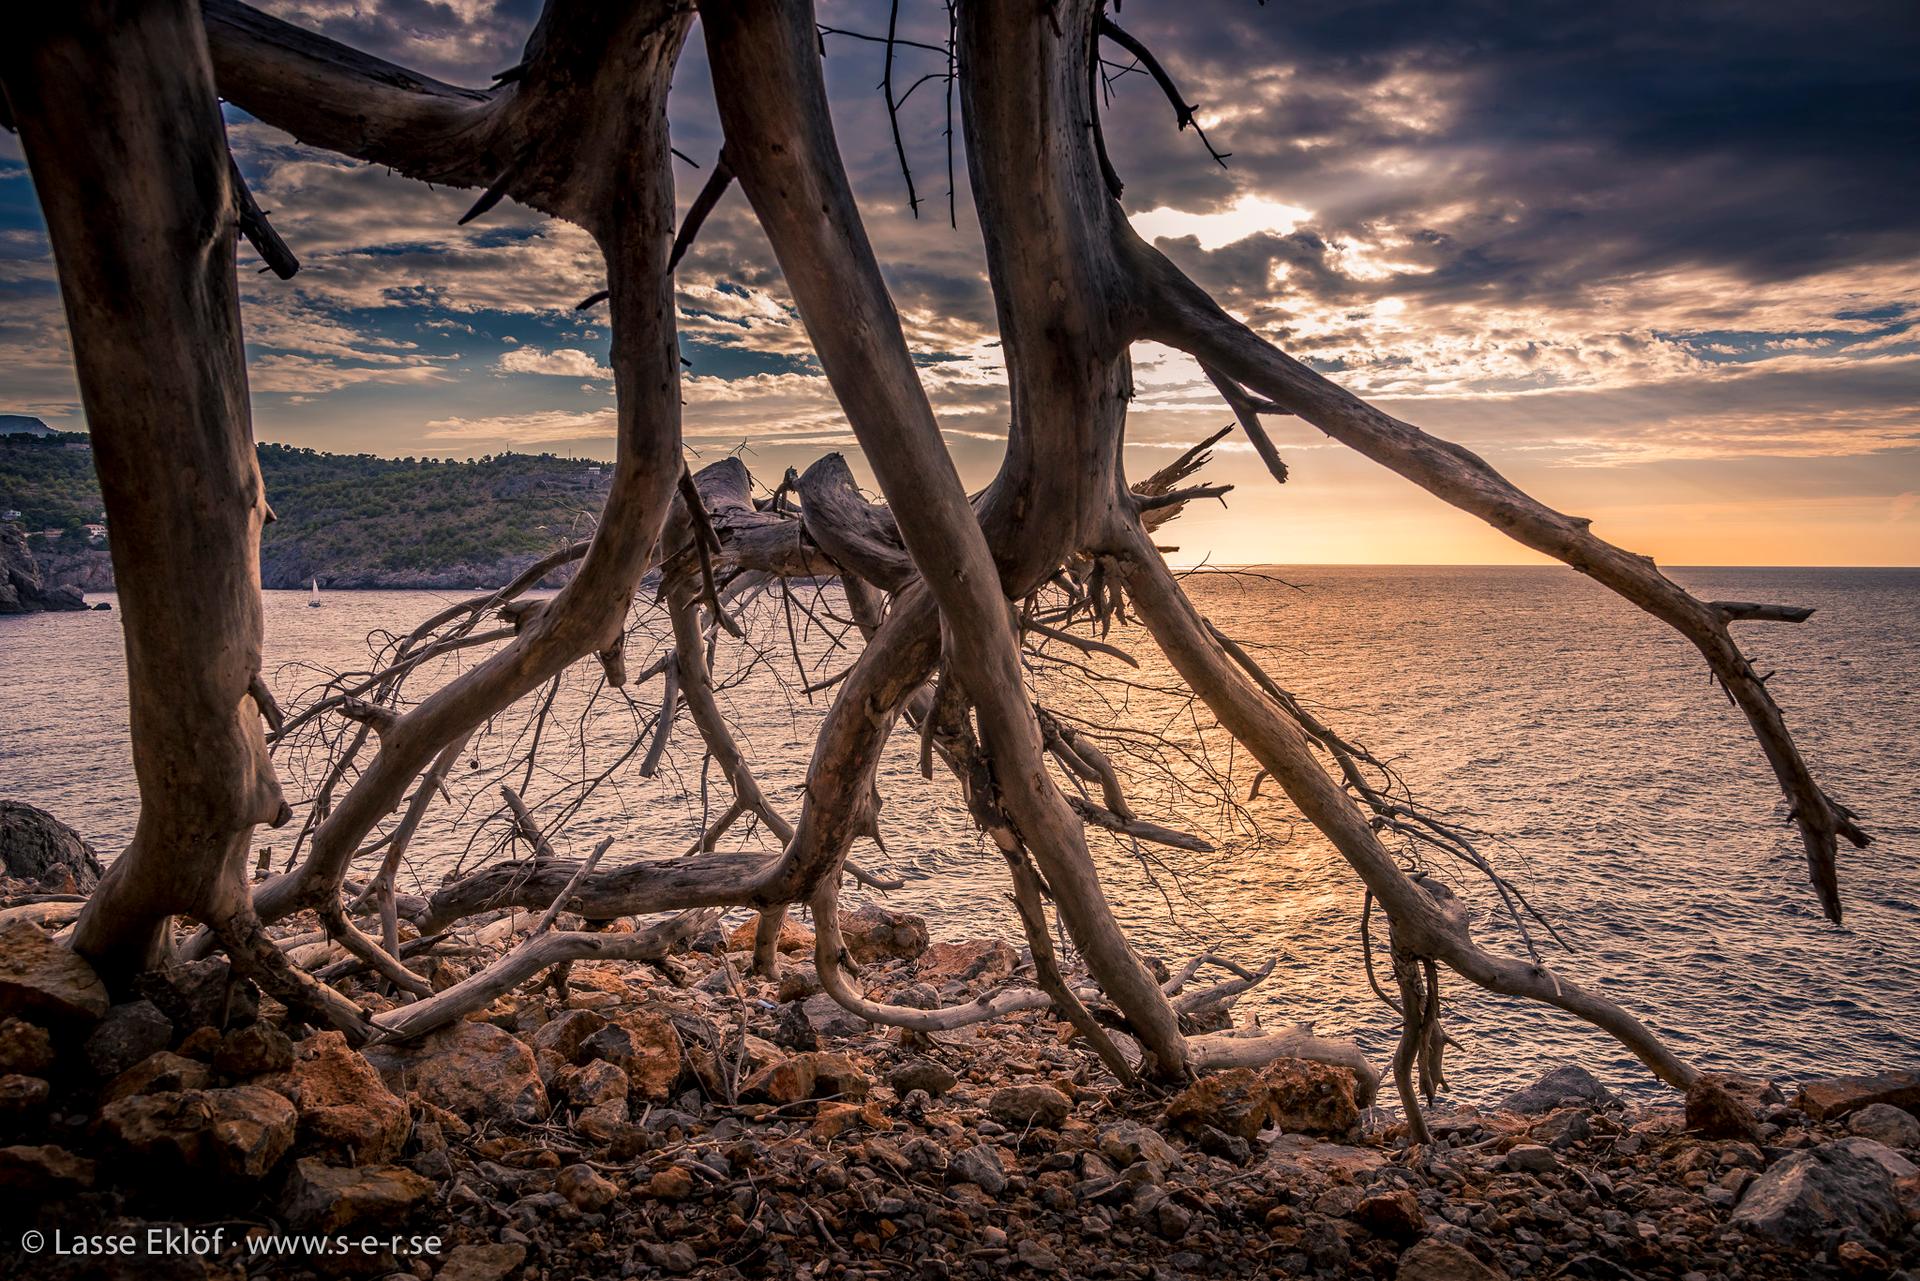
(25, 1048)
(1391, 1214)
(565, 1034)
(787, 1081)
(585, 1188)
(596, 1083)
(482, 1262)
(474, 1070)
(1025, 1105)
(44, 981)
(238, 1134)
(831, 1119)
(1237, 1101)
(646, 1047)
(671, 1184)
(202, 1043)
(736, 1062)
(875, 933)
(23, 1101)
(793, 937)
(326, 1198)
(922, 1074)
(1311, 1098)
(160, 1073)
(603, 1122)
(1715, 1111)
(434, 1129)
(254, 1050)
(797, 983)
(977, 959)
(812, 1075)
(347, 1113)
(42, 1173)
(1127, 1143)
(839, 1076)
(1835, 1096)
(1436, 1260)
(1907, 1192)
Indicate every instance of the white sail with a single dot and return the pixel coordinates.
(313, 601)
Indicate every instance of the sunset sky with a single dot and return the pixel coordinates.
(1659, 263)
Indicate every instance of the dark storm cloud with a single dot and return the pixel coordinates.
(1533, 151)
(1510, 153)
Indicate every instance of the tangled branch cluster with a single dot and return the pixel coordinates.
(955, 599)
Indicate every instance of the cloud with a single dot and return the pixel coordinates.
(296, 375)
(566, 362)
(1632, 238)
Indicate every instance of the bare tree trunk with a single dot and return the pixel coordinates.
(779, 141)
(116, 110)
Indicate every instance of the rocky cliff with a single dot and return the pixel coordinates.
(22, 588)
(88, 568)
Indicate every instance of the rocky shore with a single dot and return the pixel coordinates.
(680, 1119)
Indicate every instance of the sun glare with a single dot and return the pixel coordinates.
(1246, 216)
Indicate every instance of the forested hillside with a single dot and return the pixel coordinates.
(350, 520)
(48, 482)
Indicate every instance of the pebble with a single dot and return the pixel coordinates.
(979, 1165)
(1024, 1105)
(1531, 1158)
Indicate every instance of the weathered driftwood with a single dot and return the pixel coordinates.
(532, 958)
(144, 243)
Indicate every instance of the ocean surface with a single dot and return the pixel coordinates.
(1612, 783)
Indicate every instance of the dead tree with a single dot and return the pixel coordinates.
(117, 114)
(951, 594)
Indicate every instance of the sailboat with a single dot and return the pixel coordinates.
(313, 601)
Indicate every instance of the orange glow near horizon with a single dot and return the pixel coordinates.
(1379, 519)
